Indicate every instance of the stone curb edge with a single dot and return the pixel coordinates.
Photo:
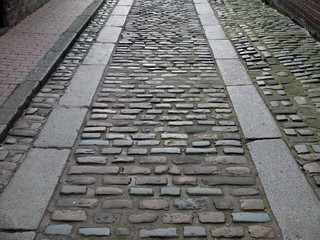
(11, 110)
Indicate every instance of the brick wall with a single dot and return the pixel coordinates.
(304, 12)
(16, 10)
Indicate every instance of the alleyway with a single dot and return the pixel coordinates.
(171, 119)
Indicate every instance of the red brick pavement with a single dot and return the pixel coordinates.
(24, 45)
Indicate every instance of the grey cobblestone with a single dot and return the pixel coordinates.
(61, 229)
(170, 191)
(78, 202)
(158, 132)
(94, 231)
(108, 191)
(141, 191)
(67, 215)
(160, 232)
(194, 231)
(154, 204)
(102, 217)
(250, 217)
(161, 180)
(205, 191)
(189, 204)
(116, 204)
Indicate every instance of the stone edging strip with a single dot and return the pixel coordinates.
(21, 97)
(291, 198)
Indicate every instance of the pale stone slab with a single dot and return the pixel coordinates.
(62, 128)
(99, 54)
(116, 20)
(18, 236)
(125, 3)
(233, 72)
(24, 200)
(223, 49)
(292, 200)
(200, 2)
(208, 20)
(83, 86)
(204, 8)
(109, 35)
(214, 32)
(255, 119)
(121, 10)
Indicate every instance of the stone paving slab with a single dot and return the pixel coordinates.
(254, 117)
(61, 129)
(233, 72)
(18, 236)
(24, 201)
(289, 193)
(83, 86)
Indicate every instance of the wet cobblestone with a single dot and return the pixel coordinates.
(283, 61)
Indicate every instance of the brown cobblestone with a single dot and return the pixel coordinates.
(154, 204)
(228, 232)
(67, 215)
(177, 218)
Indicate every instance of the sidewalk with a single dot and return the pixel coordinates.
(170, 119)
(30, 50)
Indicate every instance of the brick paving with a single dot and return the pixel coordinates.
(24, 45)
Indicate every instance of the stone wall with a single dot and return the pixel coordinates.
(16, 10)
(304, 12)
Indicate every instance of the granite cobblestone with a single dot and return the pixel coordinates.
(284, 65)
(159, 125)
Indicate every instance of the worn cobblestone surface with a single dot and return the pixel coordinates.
(160, 154)
(284, 62)
(22, 136)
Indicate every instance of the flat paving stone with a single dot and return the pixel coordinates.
(223, 49)
(270, 157)
(21, 207)
(18, 236)
(254, 117)
(61, 129)
(99, 54)
(80, 90)
(233, 72)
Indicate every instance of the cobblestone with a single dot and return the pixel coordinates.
(261, 232)
(94, 231)
(228, 232)
(285, 71)
(62, 229)
(143, 218)
(194, 231)
(152, 149)
(67, 215)
(211, 217)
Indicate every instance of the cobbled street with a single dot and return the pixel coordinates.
(171, 119)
